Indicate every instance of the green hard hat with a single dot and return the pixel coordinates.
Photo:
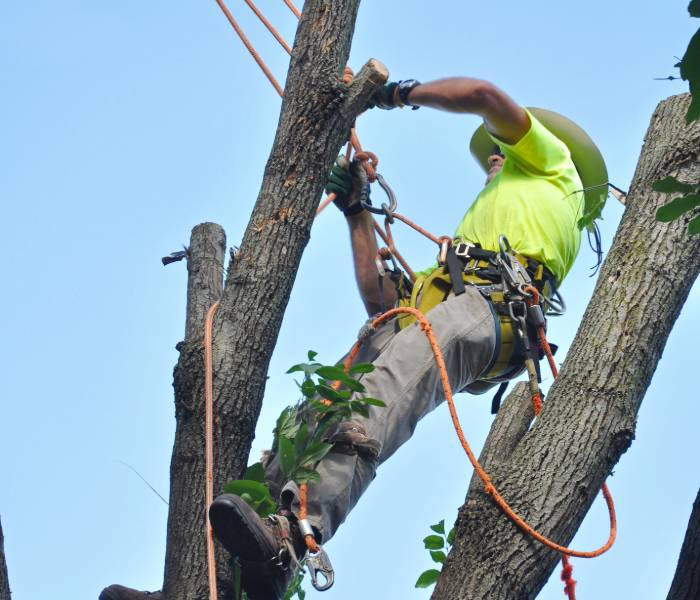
(585, 154)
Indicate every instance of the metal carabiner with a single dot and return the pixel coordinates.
(386, 209)
(319, 562)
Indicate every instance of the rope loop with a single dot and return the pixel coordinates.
(369, 162)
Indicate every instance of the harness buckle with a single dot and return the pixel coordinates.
(319, 563)
(462, 249)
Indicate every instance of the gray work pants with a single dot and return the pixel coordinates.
(406, 378)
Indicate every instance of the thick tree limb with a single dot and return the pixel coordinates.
(553, 475)
(508, 428)
(318, 111)
(686, 582)
(4, 580)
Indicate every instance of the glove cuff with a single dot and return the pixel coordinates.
(353, 209)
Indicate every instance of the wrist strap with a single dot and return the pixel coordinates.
(403, 89)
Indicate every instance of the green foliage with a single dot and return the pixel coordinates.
(592, 212)
(255, 472)
(687, 201)
(694, 8)
(295, 587)
(427, 578)
(300, 439)
(690, 67)
(255, 493)
(301, 430)
(238, 593)
(438, 544)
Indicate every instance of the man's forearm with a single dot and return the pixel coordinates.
(503, 116)
(364, 252)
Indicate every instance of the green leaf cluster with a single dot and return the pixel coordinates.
(690, 67)
(295, 587)
(253, 490)
(302, 430)
(687, 201)
(438, 545)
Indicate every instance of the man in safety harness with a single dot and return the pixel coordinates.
(543, 174)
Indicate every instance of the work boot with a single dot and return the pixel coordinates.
(119, 592)
(267, 549)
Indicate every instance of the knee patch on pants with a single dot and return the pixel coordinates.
(350, 437)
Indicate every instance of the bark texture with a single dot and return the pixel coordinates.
(686, 582)
(554, 473)
(186, 515)
(4, 580)
(317, 113)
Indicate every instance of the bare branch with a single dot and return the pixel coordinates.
(686, 582)
(4, 580)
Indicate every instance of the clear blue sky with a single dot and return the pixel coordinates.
(126, 123)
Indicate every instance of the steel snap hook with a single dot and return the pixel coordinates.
(319, 563)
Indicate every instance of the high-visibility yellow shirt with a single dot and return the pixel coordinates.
(535, 200)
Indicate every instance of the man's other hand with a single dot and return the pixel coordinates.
(347, 192)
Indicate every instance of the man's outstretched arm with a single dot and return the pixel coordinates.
(506, 119)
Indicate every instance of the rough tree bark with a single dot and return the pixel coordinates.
(4, 580)
(686, 582)
(554, 472)
(317, 113)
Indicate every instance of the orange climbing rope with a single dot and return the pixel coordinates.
(209, 444)
(490, 489)
(293, 8)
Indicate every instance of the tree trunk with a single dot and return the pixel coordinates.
(686, 582)
(4, 580)
(317, 113)
(186, 547)
(553, 474)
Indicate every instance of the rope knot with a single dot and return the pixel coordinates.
(369, 162)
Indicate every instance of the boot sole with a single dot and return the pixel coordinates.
(239, 528)
(242, 532)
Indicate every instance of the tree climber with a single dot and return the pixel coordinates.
(543, 174)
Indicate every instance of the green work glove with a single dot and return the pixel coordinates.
(341, 183)
(393, 94)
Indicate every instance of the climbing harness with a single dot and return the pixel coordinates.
(520, 292)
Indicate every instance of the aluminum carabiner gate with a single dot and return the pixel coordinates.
(385, 209)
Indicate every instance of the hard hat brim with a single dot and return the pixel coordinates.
(584, 153)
